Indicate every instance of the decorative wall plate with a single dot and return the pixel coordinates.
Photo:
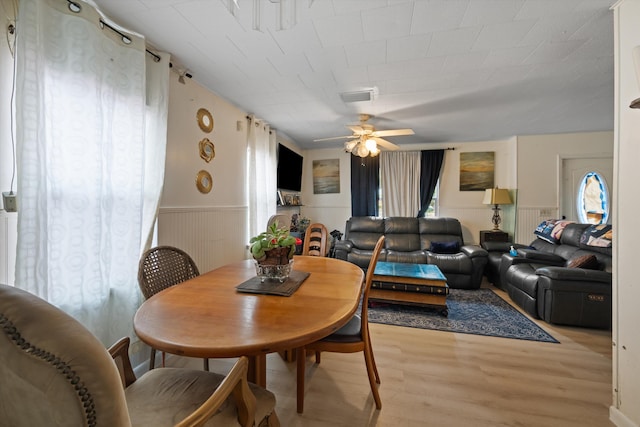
(207, 150)
(205, 120)
(204, 182)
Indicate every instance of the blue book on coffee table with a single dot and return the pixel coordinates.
(418, 271)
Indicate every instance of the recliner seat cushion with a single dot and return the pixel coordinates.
(457, 263)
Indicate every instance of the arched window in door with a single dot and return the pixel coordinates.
(593, 199)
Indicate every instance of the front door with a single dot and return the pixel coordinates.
(573, 171)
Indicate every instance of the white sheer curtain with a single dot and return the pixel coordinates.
(84, 163)
(155, 141)
(261, 166)
(400, 182)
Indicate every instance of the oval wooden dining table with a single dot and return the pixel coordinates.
(206, 317)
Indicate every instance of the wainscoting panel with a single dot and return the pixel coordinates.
(212, 236)
(529, 218)
(8, 241)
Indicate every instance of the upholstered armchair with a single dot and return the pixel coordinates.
(56, 373)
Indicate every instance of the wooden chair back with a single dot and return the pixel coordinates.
(351, 338)
(316, 240)
(162, 267)
(368, 280)
(283, 221)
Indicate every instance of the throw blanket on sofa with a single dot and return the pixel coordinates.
(551, 230)
(597, 235)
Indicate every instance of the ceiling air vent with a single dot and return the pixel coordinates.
(358, 96)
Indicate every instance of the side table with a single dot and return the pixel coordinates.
(493, 236)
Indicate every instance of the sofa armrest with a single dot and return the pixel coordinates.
(574, 296)
(342, 249)
(507, 261)
(581, 275)
(473, 251)
(540, 257)
(502, 246)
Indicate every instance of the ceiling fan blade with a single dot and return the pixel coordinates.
(336, 137)
(386, 144)
(356, 129)
(393, 132)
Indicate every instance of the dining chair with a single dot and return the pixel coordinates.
(160, 268)
(351, 338)
(56, 372)
(283, 221)
(316, 240)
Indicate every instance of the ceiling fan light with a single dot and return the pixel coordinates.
(350, 145)
(374, 152)
(362, 151)
(371, 144)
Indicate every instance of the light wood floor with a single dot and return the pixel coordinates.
(433, 378)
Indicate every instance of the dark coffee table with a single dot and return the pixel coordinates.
(414, 284)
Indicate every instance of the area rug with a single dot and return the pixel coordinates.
(479, 312)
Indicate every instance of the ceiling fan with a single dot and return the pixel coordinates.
(366, 139)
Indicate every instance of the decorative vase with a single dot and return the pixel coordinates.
(276, 265)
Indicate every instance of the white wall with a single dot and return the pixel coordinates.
(183, 157)
(8, 220)
(210, 227)
(334, 209)
(6, 77)
(539, 158)
(626, 290)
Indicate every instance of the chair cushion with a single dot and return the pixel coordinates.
(351, 332)
(165, 396)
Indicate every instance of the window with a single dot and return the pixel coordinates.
(432, 211)
(592, 203)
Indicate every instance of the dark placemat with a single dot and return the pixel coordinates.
(274, 287)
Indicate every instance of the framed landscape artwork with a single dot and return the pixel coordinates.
(326, 176)
(476, 171)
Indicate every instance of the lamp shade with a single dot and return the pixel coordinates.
(496, 196)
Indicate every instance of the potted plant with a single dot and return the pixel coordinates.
(273, 251)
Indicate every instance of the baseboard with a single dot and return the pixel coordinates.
(620, 419)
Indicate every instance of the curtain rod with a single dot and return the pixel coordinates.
(75, 7)
(126, 39)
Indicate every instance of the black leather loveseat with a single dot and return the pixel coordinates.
(418, 241)
(564, 282)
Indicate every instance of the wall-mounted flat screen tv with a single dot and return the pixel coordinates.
(289, 169)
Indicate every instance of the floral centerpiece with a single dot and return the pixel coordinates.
(273, 251)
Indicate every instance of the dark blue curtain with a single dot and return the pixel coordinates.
(430, 164)
(365, 182)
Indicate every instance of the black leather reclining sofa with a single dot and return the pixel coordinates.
(418, 241)
(567, 282)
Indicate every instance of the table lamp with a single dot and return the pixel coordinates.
(496, 196)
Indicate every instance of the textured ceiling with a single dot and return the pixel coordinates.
(452, 70)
